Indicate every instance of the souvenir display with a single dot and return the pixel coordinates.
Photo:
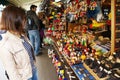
(82, 43)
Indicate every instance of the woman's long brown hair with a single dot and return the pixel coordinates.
(13, 19)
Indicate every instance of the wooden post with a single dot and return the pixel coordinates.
(113, 21)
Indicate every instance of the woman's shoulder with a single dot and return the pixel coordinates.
(8, 40)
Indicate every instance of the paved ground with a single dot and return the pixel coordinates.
(46, 70)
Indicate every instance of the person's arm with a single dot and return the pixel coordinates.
(9, 64)
(36, 20)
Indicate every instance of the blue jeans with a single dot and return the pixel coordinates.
(34, 37)
(35, 75)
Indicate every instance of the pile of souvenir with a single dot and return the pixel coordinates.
(80, 46)
(57, 64)
(105, 66)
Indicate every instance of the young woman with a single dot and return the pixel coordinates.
(16, 52)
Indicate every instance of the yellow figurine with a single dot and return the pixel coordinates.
(83, 57)
(96, 24)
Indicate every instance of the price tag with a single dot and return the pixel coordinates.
(84, 75)
(79, 73)
(100, 68)
(98, 62)
(105, 70)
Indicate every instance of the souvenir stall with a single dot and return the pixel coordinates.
(83, 52)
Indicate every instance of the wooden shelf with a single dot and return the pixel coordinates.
(117, 24)
(100, 31)
(117, 16)
(117, 31)
(118, 39)
(117, 49)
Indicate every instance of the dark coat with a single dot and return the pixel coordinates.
(34, 16)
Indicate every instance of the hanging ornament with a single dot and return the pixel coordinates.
(93, 10)
(53, 13)
(88, 2)
(50, 17)
(76, 1)
(53, 28)
(93, 5)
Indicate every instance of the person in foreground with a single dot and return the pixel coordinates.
(16, 51)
